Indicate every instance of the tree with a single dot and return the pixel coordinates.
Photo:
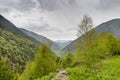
(27, 72)
(68, 61)
(107, 44)
(118, 48)
(87, 42)
(43, 64)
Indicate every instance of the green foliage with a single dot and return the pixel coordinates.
(5, 71)
(109, 71)
(27, 72)
(17, 49)
(43, 64)
(86, 49)
(117, 52)
(90, 53)
(107, 44)
(68, 61)
(47, 77)
(89, 56)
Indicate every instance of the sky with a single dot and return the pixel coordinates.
(57, 19)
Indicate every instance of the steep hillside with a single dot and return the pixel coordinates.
(7, 25)
(15, 46)
(54, 46)
(16, 49)
(112, 26)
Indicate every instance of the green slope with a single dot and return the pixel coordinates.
(110, 70)
(16, 49)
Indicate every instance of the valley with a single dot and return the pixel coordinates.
(44, 40)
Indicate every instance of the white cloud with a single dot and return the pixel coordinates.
(57, 19)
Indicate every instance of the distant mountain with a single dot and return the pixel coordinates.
(7, 25)
(63, 43)
(112, 26)
(15, 46)
(54, 46)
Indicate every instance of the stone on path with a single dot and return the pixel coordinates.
(61, 75)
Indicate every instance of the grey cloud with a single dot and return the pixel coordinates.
(48, 4)
(52, 5)
(42, 28)
(25, 5)
(57, 16)
(108, 4)
(4, 10)
(72, 2)
(20, 5)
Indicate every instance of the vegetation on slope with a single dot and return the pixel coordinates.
(108, 71)
(44, 63)
(5, 71)
(16, 49)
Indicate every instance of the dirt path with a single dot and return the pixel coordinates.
(61, 75)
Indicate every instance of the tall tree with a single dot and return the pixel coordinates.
(86, 42)
(86, 30)
(43, 64)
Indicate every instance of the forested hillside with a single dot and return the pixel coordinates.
(15, 46)
(16, 49)
(7, 25)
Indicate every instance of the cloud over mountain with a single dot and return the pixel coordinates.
(57, 18)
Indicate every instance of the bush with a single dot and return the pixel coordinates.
(47, 77)
(68, 61)
(43, 64)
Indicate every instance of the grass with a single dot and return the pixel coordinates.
(110, 70)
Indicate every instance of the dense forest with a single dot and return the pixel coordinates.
(16, 50)
(97, 57)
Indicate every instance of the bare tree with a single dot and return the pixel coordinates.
(85, 26)
(86, 30)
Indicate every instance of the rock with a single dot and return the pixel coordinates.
(62, 75)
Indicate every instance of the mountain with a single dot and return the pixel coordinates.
(63, 43)
(7, 25)
(54, 46)
(15, 46)
(112, 26)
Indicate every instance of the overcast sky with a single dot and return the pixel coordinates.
(57, 19)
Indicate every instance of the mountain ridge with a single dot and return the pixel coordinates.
(6, 24)
(54, 46)
(111, 26)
